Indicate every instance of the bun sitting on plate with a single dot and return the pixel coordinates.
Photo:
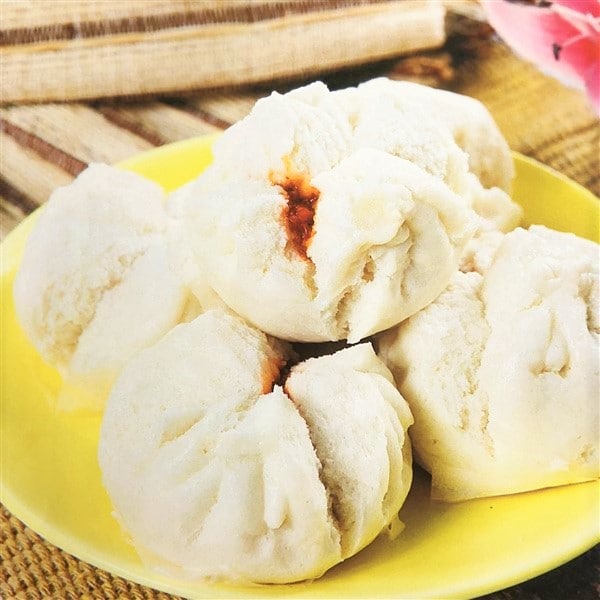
(427, 126)
(95, 285)
(215, 470)
(315, 230)
(468, 120)
(501, 371)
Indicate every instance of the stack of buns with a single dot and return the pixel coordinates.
(379, 216)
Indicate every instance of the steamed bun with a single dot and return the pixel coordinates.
(357, 422)
(216, 471)
(501, 370)
(449, 135)
(95, 284)
(467, 119)
(313, 239)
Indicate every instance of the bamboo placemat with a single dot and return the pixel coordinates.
(46, 145)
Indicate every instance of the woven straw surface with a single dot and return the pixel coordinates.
(42, 148)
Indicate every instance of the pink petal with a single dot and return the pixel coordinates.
(581, 55)
(533, 32)
(590, 7)
(585, 23)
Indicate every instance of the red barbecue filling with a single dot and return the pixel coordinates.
(298, 214)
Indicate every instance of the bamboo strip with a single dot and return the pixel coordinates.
(217, 55)
(10, 216)
(407, 9)
(77, 19)
(166, 123)
(39, 13)
(27, 14)
(226, 107)
(27, 172)
(77, 130)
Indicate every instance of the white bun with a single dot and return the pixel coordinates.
(501, 371)
(95, 284)
(215, 471)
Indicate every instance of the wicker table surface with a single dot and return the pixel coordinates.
(44, 146)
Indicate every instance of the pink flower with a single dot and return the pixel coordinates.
(561, 37)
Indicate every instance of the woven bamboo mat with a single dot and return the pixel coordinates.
(46, 145)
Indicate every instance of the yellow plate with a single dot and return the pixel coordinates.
(50, 478)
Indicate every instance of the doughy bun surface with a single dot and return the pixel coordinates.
(313, 232)
(95, 285)
(215, 471)
(501, 370)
